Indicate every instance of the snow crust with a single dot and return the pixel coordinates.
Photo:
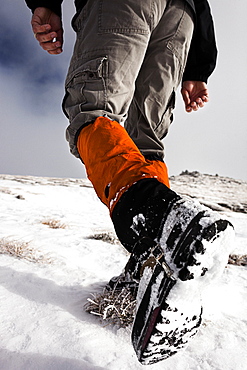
(42, 318)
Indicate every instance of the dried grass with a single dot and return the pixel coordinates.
(22, 250)
(115, 307)
(237, 259)
(54, 224)
(107, 237)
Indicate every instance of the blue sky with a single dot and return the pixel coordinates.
(213, 140)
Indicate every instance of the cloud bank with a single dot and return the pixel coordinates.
(213, 140)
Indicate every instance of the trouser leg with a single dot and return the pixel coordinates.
(112, 38)
(127, 62)
(150, 113)
(116, 43)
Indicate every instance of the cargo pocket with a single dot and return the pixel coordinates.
(162, 128)
(86, 89)
(119, 17)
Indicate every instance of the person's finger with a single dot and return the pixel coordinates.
(48, 46)
(52, 47)
(186, 96)
(200, 102)
(205, 98)
(46, 37)
(56, 51)
(194, 106)
(59, 36)
(188, 109)
(40, 28)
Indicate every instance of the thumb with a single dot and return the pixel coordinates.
(60, 36)
(186, 96)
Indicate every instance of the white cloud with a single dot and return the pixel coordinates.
(32, 138)
(32, 124)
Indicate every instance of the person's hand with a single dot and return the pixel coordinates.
(48, 30)
(195, 95)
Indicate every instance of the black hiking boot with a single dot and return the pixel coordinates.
(179, 248)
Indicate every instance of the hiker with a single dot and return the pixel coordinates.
(128, 61)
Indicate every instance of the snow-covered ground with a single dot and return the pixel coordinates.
(43, 323)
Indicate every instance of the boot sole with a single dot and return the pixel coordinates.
(169, 309)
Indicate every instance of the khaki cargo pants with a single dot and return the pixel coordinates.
(128, 61)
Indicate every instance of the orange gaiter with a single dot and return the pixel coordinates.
(113, 162)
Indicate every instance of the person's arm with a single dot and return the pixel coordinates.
(195, 95)
(54, 5)
(203, 51)
(201, 59)
(48, 30)
(47, 24)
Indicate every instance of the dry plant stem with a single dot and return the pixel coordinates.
(22, 250)
(239, 260)
(116, 307)
(105, 237)
(54, 224)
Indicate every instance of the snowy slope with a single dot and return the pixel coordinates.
(43, 324)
